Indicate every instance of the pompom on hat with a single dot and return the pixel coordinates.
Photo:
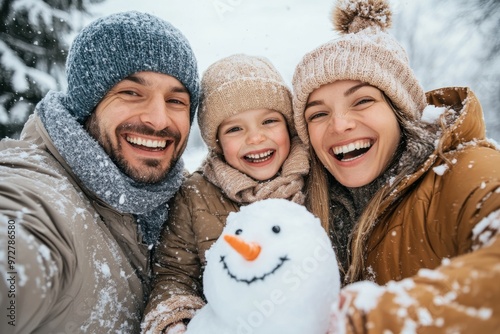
(364, 52)
(237, 83)
(116, 46)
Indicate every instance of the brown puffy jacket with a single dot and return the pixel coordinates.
(74, 264)
(435, 252)
(196, 220)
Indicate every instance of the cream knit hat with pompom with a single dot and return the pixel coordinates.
(364, 52)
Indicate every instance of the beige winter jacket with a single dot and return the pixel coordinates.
(75, 264)
(435, 252)
(196, 220)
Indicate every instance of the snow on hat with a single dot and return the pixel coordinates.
(114, 47)
(365, 52)
(238, 83)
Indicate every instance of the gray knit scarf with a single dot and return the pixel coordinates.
(92, 165)
(242, 189)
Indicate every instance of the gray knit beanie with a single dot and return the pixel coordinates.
(114, 47)
(365, 52)
(237, 83)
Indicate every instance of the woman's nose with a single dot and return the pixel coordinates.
(340, 123)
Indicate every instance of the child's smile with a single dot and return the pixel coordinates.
(255, 142)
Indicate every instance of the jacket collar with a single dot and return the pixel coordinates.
(468, 127)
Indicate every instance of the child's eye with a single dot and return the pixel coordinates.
(233, 129)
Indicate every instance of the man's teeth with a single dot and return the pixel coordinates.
(147, 142)
(344, 149)
(259, 157)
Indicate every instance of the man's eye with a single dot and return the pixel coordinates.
(176, 101)
(129, 92)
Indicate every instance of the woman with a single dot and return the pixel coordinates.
(411, 200)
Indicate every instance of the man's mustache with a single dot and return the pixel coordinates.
(148, 131)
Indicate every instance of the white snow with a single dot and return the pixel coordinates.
(486, 230)
(367, 294)
(432, 113)
(288, 287)
(432, 274)
(440, 170)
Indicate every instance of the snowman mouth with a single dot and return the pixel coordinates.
(282, 260)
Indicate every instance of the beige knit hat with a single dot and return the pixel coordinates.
(365, 52)
(238, 83)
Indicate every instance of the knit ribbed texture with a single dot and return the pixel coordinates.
(169, 312)
(369, 55)
(116, 46)
(238, 83)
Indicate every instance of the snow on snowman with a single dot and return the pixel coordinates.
(272, 270)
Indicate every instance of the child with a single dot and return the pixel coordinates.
(245, 118)
(414, 205)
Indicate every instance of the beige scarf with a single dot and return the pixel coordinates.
(241, 188)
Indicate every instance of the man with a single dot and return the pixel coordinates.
(83, 194)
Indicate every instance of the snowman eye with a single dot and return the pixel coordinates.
(238, 231)
(276, 229)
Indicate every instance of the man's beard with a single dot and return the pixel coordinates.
(151, 172)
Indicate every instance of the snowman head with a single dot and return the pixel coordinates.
(270, 247)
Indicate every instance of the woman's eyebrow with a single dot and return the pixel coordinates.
(313, 103)
(348, 92)
(355, 88)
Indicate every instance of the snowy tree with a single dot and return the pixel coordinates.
(33, 50)
(484, 16)
(455, 43)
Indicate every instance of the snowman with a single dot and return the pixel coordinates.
(273, 270)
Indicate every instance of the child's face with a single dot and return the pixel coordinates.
(255, 142)
(353, 130)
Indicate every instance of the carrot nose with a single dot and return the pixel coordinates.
(249, 250)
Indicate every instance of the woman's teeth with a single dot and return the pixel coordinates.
(351, 150)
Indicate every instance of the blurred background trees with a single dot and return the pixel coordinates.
(455, 43)
(34, 37)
